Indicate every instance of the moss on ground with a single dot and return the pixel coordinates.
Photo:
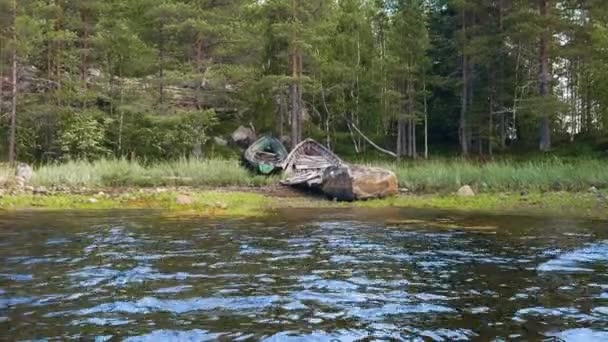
(550, 203)
(205, 203)
(209, 203)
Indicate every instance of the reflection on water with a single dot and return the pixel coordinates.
(303, 275)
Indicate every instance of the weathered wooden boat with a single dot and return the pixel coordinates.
(306, 163)
(266, 154)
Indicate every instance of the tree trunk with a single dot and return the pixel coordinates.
(13, 126)
(1, 87)
(161, 64)
(491, 105)
(501, 79)
(399, 139)
(426, 122)
(199, 69)
(120, 114)
(85, 51)
(588, 114)
(462, 128)
(544, 79)
(411, 120)
(295, 91)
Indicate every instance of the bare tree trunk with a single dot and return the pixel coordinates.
(85, 51)
(327, 117)
(295, 92)
(491, 105)
(462, 129)
(588, 114)
(426, 121)
(1, 85)
(13, 128)
(411, 119)
(501, 79)
(300, 102)
(161, 65)
(399, 139)
(199, 69)
(282, 113)
(414, 147)
(121, 114)
(369, 141)
(544, 79)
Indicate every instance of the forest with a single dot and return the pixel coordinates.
(158, 80)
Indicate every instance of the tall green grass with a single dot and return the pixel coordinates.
(121, 172)
(442, 175)
(540, 175)
(6, 174)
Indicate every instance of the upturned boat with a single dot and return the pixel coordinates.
(306, 163)
(266, 155)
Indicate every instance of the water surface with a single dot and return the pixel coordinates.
(302, 275)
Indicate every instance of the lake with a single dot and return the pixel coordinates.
(302, 275)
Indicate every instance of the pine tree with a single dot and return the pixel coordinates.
(408, 48)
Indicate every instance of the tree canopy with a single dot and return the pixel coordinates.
(157, 79)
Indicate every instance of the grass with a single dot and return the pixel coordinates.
(500, 176)
(433, 176)
(554, 187)
(6, 174)
(121, 172)
(206, 203)
(555, 204)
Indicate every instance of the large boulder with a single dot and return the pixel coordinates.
(24, 171)
(23, 174)
(220, 141)
(465, 191)
(349, 183)
(243, 136)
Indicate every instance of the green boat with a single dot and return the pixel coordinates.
(266, 155)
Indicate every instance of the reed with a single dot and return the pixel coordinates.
(440, 175)
(122, 172)
(499, 176)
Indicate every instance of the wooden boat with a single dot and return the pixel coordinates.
(266, 154)
(306, 163)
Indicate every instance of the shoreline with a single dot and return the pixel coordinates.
(261, 201)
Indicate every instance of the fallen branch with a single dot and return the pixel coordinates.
(351, 124)
(352, 136)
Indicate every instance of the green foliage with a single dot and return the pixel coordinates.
(155, 79)
(82, 136)
(156, 137)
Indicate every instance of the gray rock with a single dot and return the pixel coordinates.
(243, 136)
(93, 72)
(347, 183)
(465, 191)
(24, 171)
(593, 190)
(220, 141)
(40, 190)
(19, 182)
(184, 200)
(92, 200)
(286, 140)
